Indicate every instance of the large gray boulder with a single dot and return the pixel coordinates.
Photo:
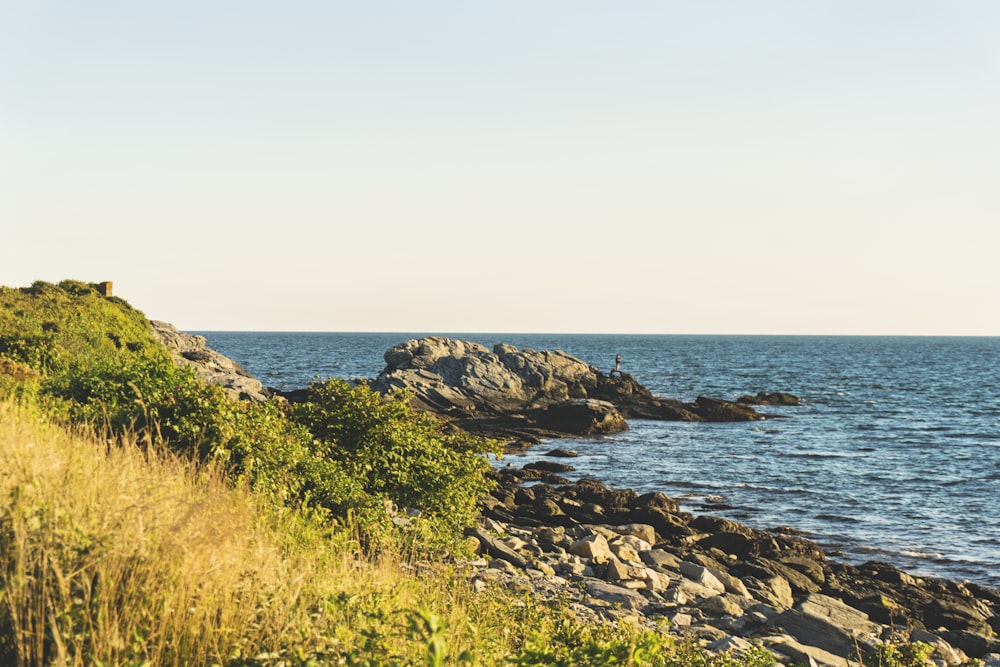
(211, 366)
(513, 391)
(476, 379)
(829, 624)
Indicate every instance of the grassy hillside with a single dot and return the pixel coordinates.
(91, 359)
(125, 555)
(147, 519)
(55, 328)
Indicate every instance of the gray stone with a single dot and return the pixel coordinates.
(829, 624)
(636, 543)
(616, 595)
(943, 651)
(542, 567)
(617, 571)
(554, 536)
(624, 552)
(494, 547)
(594, 547)
(681, 620)
(211, 366)
(803, 654)
(573, 568)
(503, 565)
(731, 583)
(655, 580)
(991, 660)
(735, 645)
(774, 591)
(515, 543)
(674, 595)
(706, 633)
(662, 559)
(721, 605)
(763, 568)
(701, 575)
(694, 590)
(581, 416)
(643, 531)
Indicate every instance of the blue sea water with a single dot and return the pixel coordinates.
(895, 455)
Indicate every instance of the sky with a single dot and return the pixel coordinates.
(588, 166)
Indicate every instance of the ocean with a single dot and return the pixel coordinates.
(895, 455)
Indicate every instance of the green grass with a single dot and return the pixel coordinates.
(347, 453)
(115, 553)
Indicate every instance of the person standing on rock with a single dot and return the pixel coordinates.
(618, 365)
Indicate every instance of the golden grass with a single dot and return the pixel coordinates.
(111, 553)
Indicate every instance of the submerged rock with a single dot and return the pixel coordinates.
(774, 398)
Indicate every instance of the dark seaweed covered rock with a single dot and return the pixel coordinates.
(774, 398)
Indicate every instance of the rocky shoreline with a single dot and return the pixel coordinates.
(612, 554)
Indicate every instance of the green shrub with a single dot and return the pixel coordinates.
(52, 327)
(916, 654)
(394, 454)
(348, 452)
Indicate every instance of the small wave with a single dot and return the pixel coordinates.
(938, 558)
(681, 484)
(817, 455)
(774, 489)
(971, 436)
(716, 507)
(835, 518)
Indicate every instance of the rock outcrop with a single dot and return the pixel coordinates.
(613, 554)
(528, 394)
(211, 366)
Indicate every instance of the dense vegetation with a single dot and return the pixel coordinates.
(345, 453)
(148, 519)
(130, 555)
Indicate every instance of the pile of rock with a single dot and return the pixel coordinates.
(616, 554)
(526, 395)
(211, 366)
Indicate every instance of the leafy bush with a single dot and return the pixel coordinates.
(347, 452)
(915, 654)
(393, 454)
(52, 327)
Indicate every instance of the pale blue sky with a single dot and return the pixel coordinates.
(559, 166)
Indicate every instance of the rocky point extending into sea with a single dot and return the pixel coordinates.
(612, 554)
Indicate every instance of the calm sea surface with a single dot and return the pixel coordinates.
(894, 457)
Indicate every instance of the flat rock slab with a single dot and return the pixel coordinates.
(803, 654)
(829, 624)
(626, 597)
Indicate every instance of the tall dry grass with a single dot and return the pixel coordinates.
(112, 553)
